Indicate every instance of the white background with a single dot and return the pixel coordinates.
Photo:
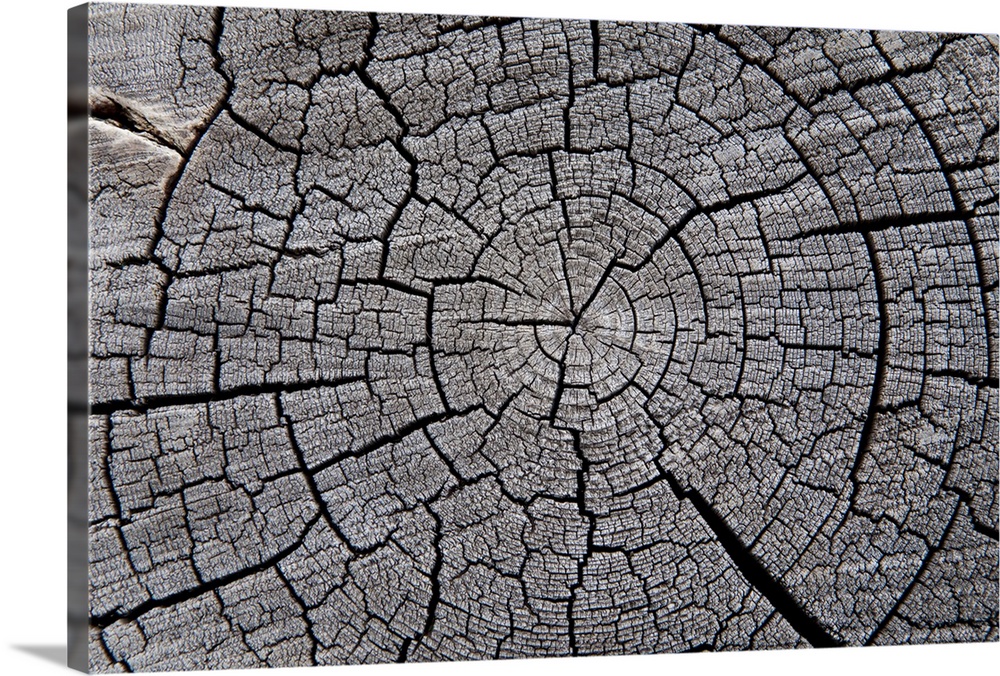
(32, 312)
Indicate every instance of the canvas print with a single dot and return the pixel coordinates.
(421, 338)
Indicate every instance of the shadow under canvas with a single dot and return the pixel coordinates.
(48, 652)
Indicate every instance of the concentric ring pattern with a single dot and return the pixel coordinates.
(421, 338)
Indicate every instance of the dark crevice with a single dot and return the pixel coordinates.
(971, 378)
(386, 439)
(754, 571)
(107, 619)
(310, 477)
(109, 109)
(595, 38)
(410, 643)
(879, 377)
(591, 519)
(144, 404)
(884, 223)
(173, 181)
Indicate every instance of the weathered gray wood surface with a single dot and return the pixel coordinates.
(424, 337)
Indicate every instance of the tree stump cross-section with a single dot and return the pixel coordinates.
(442, 338)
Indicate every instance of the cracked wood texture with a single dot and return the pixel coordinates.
(442, 338)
